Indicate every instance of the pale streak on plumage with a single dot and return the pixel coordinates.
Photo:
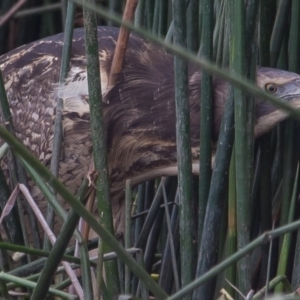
(139, 111)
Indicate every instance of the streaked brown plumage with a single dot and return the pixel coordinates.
(139, 111)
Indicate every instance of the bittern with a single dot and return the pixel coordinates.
(139, 112)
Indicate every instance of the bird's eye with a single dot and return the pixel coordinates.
(271, 88)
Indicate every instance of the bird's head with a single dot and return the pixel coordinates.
(282, 84)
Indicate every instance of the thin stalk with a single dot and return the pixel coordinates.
(219, 48)
(251, 26)
(187, 251)
(86, 272)
(121, 46)
(139, 19)
(11, 222)
(63, 285)
(266, 25)
(265, 200)
(145, 212)
(149, 14)
(273, 284)
(5, 261)
(163, 20)
(288, 171)
(64, 5)
(5, 6)
(268, 269)
(101, 288)
(156, 16)
(36, 252)
(226, 54)
(206, 115)
(285, 248)
(144, 291)
(138, 223)
(251, 54)
(265, 30)
(151, 191)
(171, 242)
(282, 62)
(37, 265)
(192, 23)
(279, 30)
(33, 268)
(153, 240)
(169, 35)
(115, 6)
(3, 150)
(242, 159)
(219, 24)
(58, 127)
(4, 291)
(98, 138)
(128, 197)
(8, 15)
(231, 247)
(166, 278)
(37, 10)
(155, 206)
(48, 23)
(296, 264)
(48, 195)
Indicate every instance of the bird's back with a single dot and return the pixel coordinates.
(139, 111)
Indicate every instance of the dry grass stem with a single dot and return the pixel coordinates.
(11, 12)
(122, 42)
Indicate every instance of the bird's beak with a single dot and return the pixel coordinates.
(291, 91)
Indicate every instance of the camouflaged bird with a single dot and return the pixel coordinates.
(139, 111)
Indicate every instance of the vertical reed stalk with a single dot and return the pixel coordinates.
(98, 141)
(231, 247)
(206, 115)
(183, 146)
(278, 32)
(139, 19)
(163, 19)
(128, 197)
(58, 130)
(287, 239)
(265, 161)
(242, 160)
(192, 23)
(265, 199)
(288, 170)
